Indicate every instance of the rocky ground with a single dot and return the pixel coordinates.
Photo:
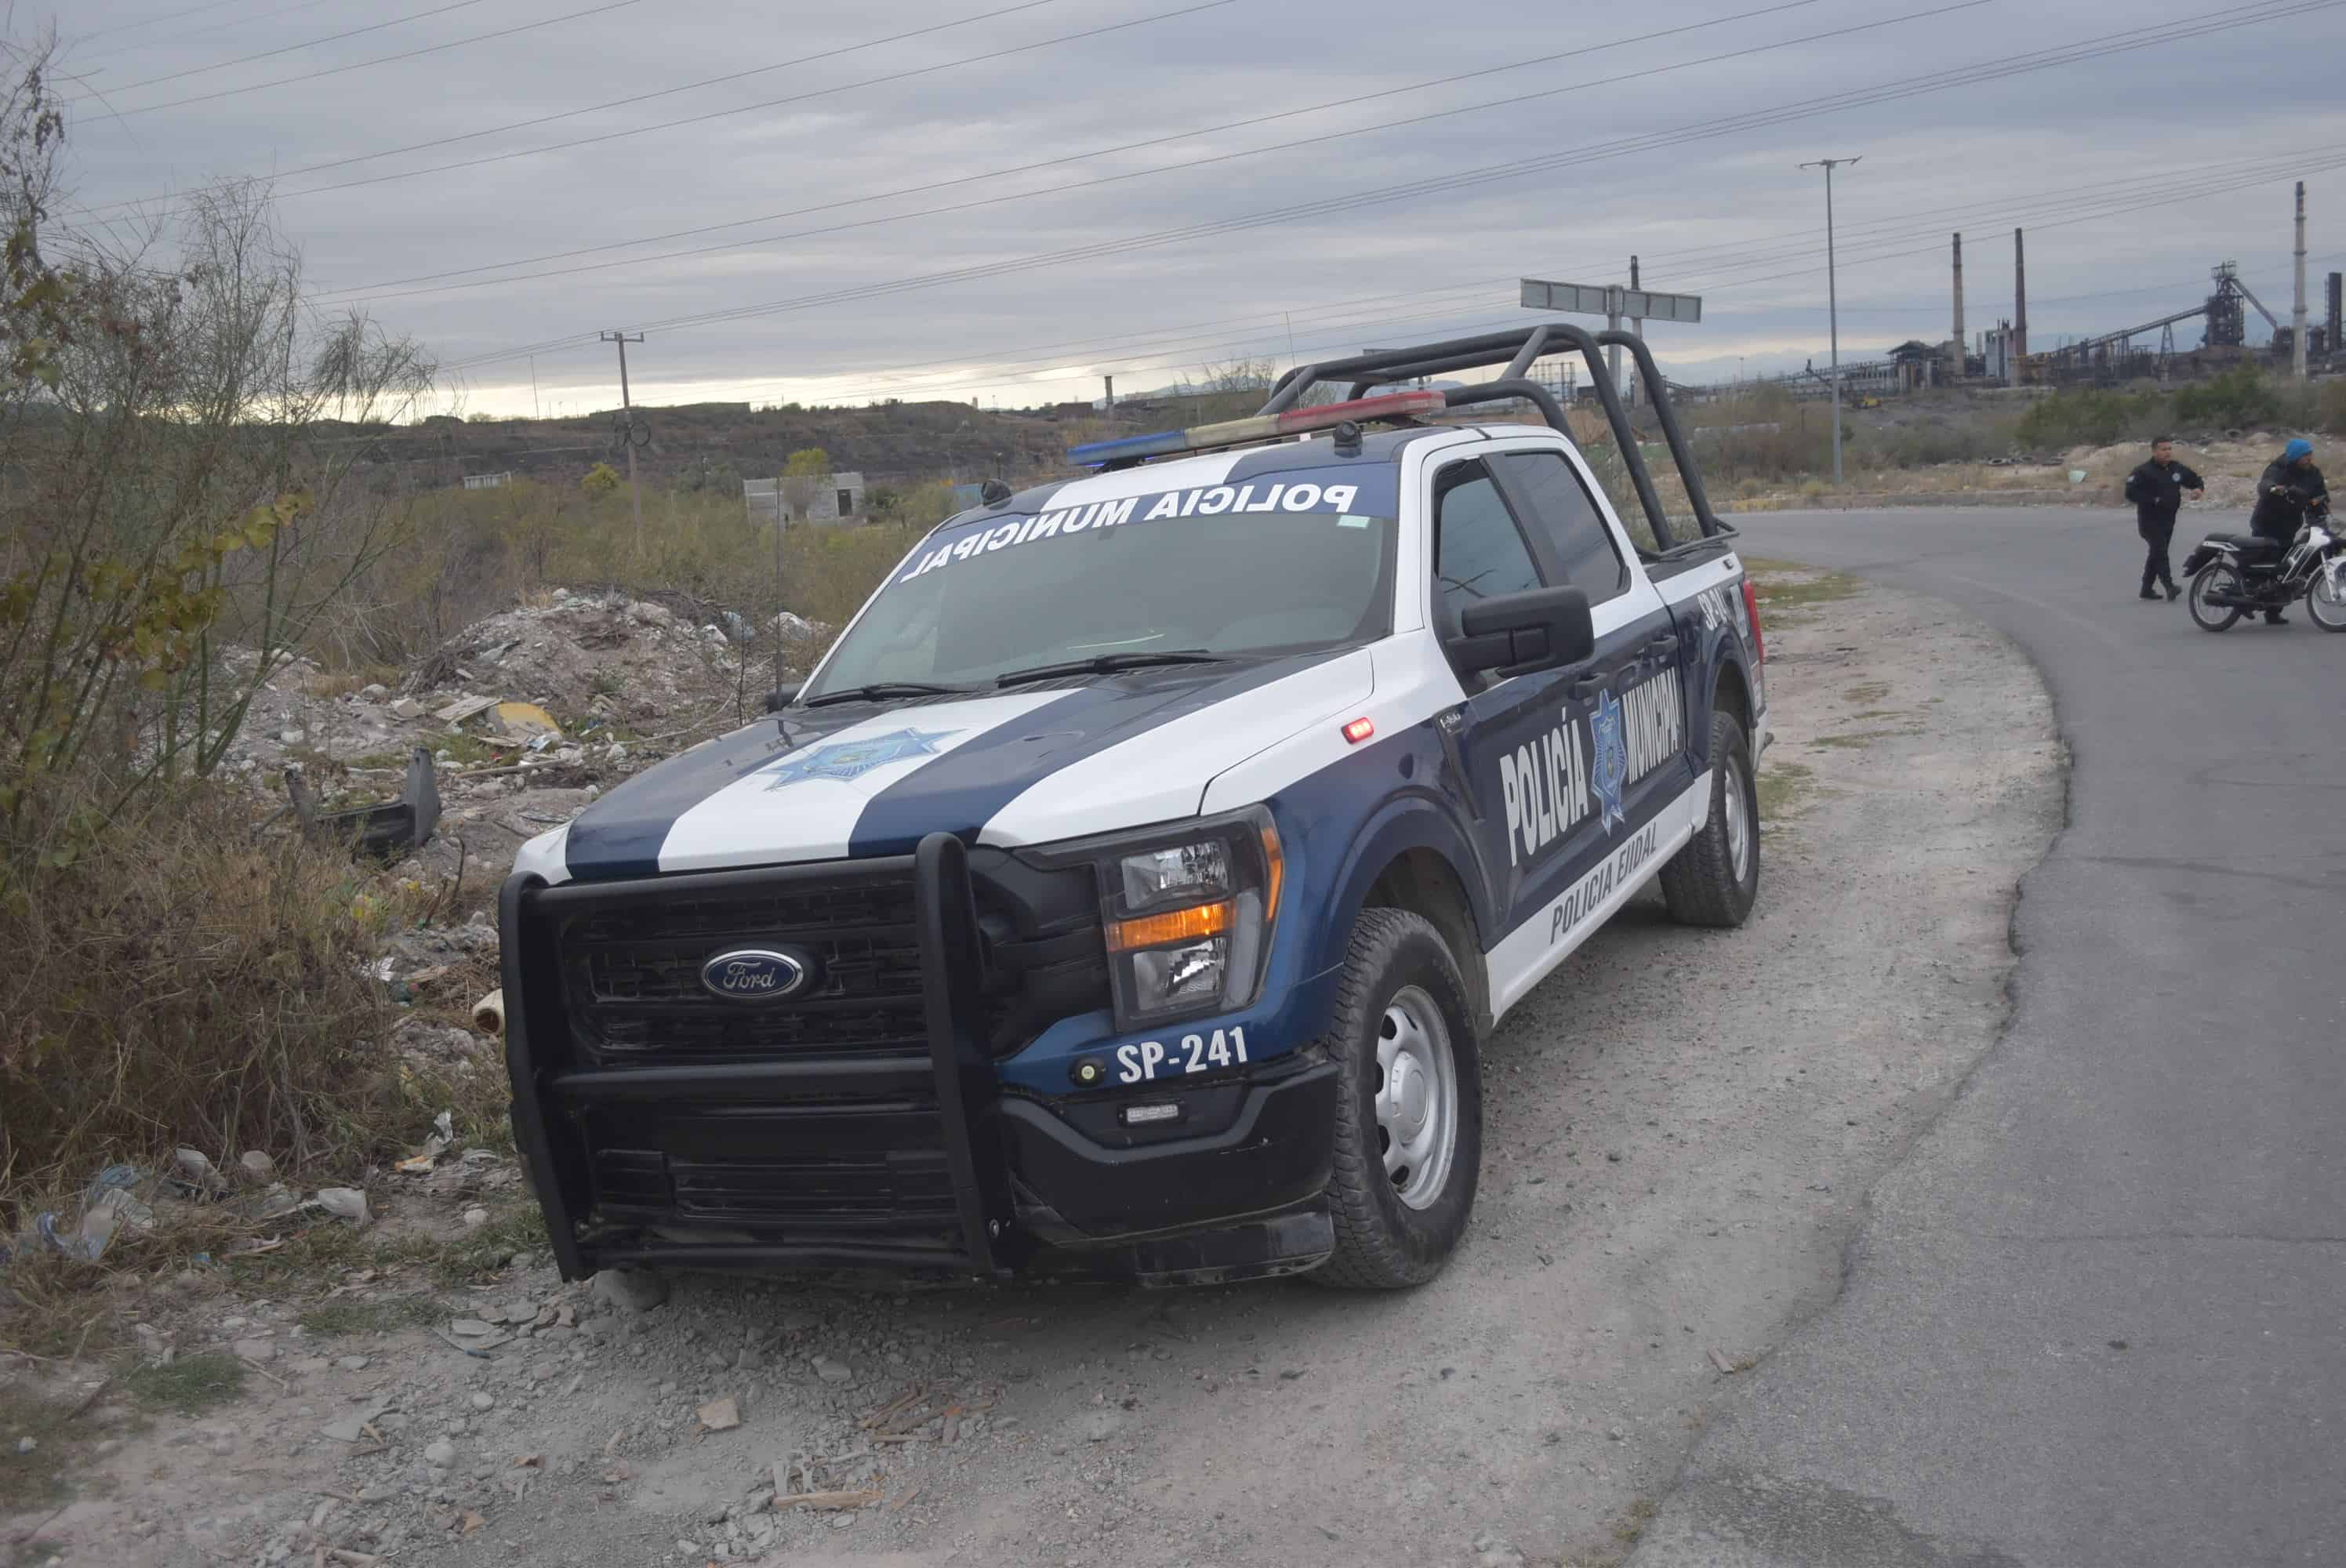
(527, 715)
(1681, 1126)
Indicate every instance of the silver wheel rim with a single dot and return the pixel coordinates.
(2328, 596)
(1416, 1097)
(2224, 579)
(1738, 823)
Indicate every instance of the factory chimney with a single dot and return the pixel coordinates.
(1958, 367)
(2296, 318)
(2336, 312)
(2019, 305)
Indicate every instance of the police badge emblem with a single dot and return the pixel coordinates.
(1612, 759)
(845, 760)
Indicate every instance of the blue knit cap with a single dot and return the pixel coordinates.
(2296, 449)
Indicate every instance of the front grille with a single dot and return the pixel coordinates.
(631, 971)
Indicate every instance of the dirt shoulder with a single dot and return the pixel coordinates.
(1681, 1128)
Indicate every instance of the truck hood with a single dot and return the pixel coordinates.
(1029, 765)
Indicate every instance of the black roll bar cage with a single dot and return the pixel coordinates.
(1517, 349)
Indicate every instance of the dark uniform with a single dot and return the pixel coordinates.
(2156, 492)
(2285, 495)
(2298, 486)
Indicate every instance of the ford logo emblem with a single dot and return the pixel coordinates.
(753, 975)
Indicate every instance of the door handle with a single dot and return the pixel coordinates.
(1587, 687)
(1661, 646)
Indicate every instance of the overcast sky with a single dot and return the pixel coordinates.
(1672, 148)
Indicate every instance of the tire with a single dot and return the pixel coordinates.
(2325, 600)
(1714, 880)
(2215, 575)
(1400, 1000)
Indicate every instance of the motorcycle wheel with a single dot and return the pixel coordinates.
(2218, 578)
(2325, 600)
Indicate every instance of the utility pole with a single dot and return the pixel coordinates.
(628, 426)
(2296, 320)
(1832, 297)
(534, 410)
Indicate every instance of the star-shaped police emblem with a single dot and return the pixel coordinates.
(848, 759)
(1612, 759)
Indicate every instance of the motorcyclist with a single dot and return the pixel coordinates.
(2291, 487)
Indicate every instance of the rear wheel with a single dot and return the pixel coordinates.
(2216, 577)
(2325, 600)
(1409, 1112)
(1715, 879)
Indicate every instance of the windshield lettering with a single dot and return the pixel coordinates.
(1205, 501)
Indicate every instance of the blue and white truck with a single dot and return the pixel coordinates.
(1131, 887)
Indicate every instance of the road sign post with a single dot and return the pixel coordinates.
(1613, 303)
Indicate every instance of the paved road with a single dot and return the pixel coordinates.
(2099, 1316)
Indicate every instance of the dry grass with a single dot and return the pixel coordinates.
(189, 982)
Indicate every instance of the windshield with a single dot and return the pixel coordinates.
(1299, 561)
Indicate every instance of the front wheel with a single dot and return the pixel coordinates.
(1409, 1110)
(2325, 597)
(2216, 577)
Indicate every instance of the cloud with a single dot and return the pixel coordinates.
(1055, 302)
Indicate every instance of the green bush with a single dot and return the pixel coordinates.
(2236, 400)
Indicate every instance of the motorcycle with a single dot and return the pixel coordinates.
(2234, 575)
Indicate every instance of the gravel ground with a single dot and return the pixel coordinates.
(1681, 1128)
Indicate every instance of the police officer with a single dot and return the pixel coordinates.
(2156, 491)
(2291, 487)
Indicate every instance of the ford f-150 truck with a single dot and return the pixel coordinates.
(1131, 887)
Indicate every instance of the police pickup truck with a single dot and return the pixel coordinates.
(1130, 888)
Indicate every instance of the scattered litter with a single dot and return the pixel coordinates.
(489, 1013)
(444, 1133)
(471, 1328)
(1719, 1359)
(342, 1203)
(721, 1415)
(462, 708)
(354, 1426)
(385, 831)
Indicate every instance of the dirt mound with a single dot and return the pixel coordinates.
(577, 656)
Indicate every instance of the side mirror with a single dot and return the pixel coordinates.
(781, 697)
(1515, 634)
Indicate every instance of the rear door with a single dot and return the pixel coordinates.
(1638, 712)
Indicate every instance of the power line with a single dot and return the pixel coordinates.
(1514, 168)
(153, 21)
(379, 59)
(669, 92)
(2123, 203)
(292, 48)
(146, 44)
(1201, 162)
(2173, 181)
(1109, 152)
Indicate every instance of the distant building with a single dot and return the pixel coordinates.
(487, 481)
(831, 499)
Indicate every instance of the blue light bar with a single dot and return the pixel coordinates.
(1092, 454)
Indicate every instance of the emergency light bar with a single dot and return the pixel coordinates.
(1262, 427)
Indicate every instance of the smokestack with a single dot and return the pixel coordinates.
(2019, 305)
(2336, 312)
(1111, 392)
(2297, 318)
(1958, 339)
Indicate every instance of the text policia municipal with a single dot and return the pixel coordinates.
(1205, 501)
(1551, 782)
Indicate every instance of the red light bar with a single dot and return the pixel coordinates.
(1360, 730)
(1390, 405)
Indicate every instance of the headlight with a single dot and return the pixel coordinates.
(1186, 912)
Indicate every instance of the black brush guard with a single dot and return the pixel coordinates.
(947, 1088)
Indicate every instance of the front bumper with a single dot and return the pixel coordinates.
(908, 1158)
